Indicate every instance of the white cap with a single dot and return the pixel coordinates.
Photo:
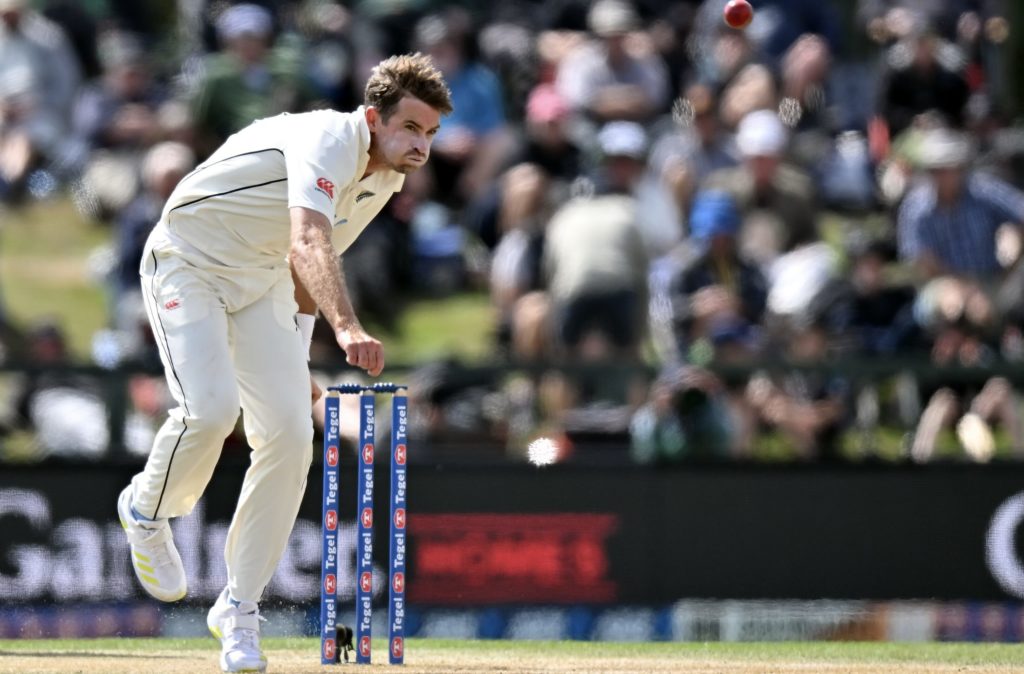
(943, 148)
(612, 17)
(761, 134)
(241, 19)
(623, 139)
(167, 156)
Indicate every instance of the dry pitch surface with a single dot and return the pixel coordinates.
(299, 656)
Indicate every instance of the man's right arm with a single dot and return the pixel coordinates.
(318, 268)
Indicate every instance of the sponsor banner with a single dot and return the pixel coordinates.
(688, 620)
(500, 535)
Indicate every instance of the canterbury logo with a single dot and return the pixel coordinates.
(364, 195)
(172, 304)
(327, 186)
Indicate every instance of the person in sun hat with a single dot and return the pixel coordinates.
(765, 184)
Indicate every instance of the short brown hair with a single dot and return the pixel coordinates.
(407, 75)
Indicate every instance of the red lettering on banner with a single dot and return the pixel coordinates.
(502, 558)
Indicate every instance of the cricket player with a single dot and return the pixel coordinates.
(245, 253)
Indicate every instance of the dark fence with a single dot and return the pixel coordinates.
(111, 387)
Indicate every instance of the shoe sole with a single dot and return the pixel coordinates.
(218, 635)
(168, 598)
(250, 670)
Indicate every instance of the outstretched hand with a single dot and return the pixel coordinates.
(361, 350)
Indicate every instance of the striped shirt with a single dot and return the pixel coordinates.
(961, 237)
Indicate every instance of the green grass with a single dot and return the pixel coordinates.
(44, 250)
(853, 652)
(459, 326)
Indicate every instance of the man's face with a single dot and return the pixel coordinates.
(403, 141)
(763, 169)
(948, 183)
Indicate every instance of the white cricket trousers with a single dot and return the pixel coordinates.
(228, 342)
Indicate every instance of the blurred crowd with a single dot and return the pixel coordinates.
(696, 240)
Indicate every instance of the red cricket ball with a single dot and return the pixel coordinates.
(738, 13)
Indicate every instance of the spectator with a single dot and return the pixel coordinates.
(118, 119)
(696, 146)
(875, 316)
(605, 79)
(38, 80)
(544, 144)
(963, 319)
(948, 223)
(248, 80)
(806, 106)
(594, 257)
(468, 149)
(886, 19)
(515, 267)
(923, 75)
(685, 418)
(547, 142)
(162, 167)
(764, 185)
(719, 285)
(808, 407)
(64, 409)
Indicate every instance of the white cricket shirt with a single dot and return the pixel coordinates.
(232, 210)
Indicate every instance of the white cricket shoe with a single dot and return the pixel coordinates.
(156, 561)
(238, 628)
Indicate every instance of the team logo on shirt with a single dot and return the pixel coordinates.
(326, 186)
(364, 195)
(172, 304)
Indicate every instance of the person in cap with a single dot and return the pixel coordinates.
(766, 184)
(248, 79)
(547, 142)
(719, 283)
(948, 223)
(602, 79)
(595, 260)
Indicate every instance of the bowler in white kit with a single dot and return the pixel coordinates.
(245, 253)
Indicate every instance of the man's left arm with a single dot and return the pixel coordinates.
(1006, 200)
